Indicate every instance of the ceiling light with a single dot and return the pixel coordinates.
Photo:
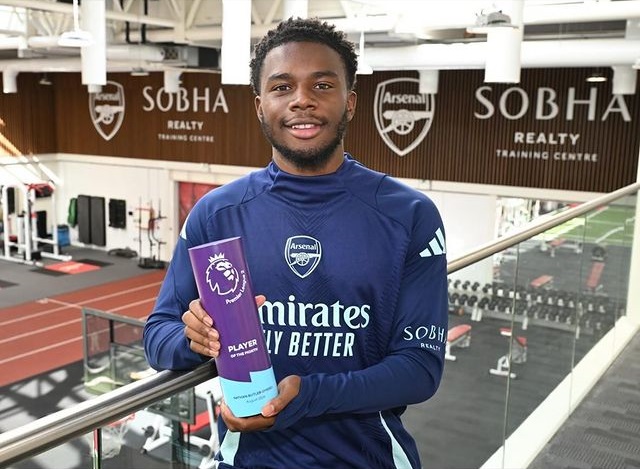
(596, 77)
(77, 37)
(485, 22)
(9, 81)
(139, 72)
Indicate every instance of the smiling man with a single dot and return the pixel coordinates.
(351, 267)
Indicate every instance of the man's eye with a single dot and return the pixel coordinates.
(281, 88)
(323, 86)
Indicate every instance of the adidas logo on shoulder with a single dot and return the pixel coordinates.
(436, 246)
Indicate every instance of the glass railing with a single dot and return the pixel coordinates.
(527, 313)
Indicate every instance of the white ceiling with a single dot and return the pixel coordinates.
(398, 34)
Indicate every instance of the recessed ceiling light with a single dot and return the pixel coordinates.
(596, 77)
(139, 72)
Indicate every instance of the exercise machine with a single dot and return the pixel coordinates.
(517, 354)
(457, 336)
(160, 432)
(29, 182)
(150, 226)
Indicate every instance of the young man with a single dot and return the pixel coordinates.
(356, 332)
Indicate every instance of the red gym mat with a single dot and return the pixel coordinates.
(72, 267)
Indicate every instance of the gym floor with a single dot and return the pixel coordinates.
(459, 428)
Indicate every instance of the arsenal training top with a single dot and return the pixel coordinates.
(353, 266)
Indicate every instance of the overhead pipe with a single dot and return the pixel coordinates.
(552, 54)
(534, 54)
(117, 57)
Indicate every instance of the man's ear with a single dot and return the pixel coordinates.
(352, 99)
(258, 104)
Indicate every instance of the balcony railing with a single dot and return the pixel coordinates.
(566, 299)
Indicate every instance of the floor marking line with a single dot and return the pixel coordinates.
(40, 350)
(54, 310)
(31, 333)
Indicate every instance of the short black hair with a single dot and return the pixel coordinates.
(304, 30)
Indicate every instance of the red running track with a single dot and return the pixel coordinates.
(44, 335)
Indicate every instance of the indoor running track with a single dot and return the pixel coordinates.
(46, 334)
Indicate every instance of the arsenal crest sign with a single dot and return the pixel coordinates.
(107, 109)
(402, 114)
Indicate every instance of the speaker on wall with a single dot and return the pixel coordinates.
(117, 213)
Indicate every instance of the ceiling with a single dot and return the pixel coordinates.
(398, 34)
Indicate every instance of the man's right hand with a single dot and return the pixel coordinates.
(203, 338)
(199, 329)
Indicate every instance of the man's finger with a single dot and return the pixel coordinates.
(198, 311)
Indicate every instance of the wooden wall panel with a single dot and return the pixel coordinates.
(26, 122)
(469, 126)
(237, 138)
(462, 147)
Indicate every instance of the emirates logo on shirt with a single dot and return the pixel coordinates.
(303, 254)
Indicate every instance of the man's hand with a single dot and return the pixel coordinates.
(203, 337)
(288, 389)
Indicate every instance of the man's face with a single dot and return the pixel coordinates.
(304, 106)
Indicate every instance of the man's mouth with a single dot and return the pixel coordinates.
(304, 130)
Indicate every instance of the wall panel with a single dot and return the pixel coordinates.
(553, 130)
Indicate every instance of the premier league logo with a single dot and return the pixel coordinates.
(222, 276)
(403, 116)
(303, 254)
(107, 109)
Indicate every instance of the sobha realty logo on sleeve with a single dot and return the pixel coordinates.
(107, 109)
(402, 114)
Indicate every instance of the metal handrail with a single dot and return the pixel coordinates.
(59, 427)
(536, 227)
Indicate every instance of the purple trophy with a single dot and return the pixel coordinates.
(226, 293)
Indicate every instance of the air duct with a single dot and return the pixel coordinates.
(541, 54)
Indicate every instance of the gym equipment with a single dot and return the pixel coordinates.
(545, 281)
(457, 336)
(160, 432)
(554, 244)
(150, 225)
(593, 281)
(24, 181)
(517, 354)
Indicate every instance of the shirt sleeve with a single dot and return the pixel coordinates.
(412, 369)
(166, 347)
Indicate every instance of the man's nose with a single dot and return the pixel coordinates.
(303, 99)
